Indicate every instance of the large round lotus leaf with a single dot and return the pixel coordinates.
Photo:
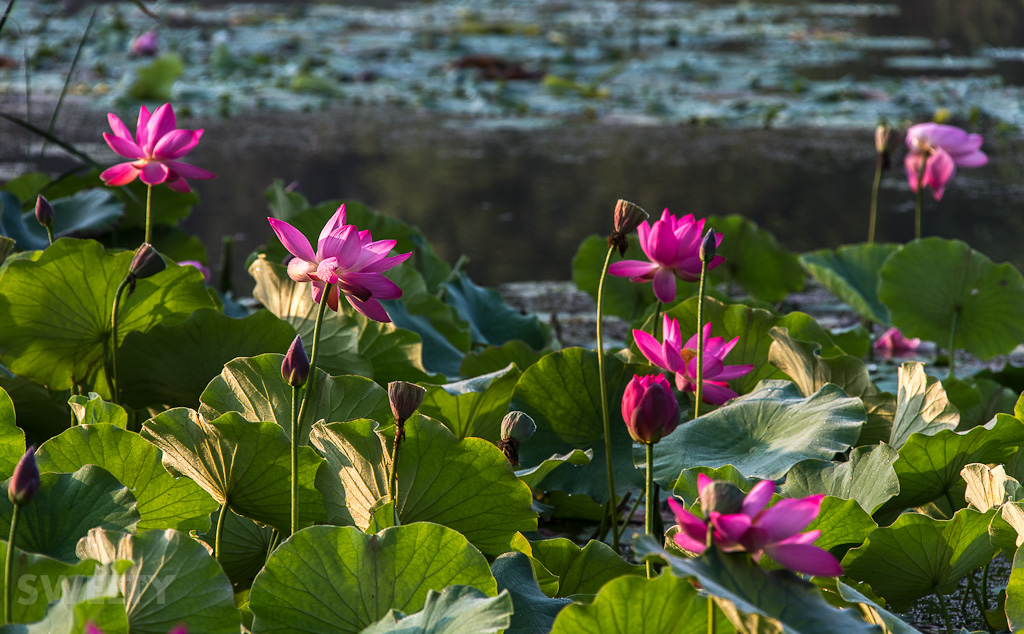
(39, 582)
(339, 580)
(843, 525)
(41, 413)
(493, 359)
(562, 393)
(83, 600)
(243, 464)
(764, 433)
(349, 342)
(474, 407)
(867, 477)
(173, 580)
(244, 545)
(48, 526)
(454, 610)
(932, 286)
(918, 555)
(162, 500)
(55, 312)
(192, 353)
(445, 336)
(87, 212)
(254, 388)
(754, 259)
(533, 610)
(581, 570)
(810, 371)
(636, 605)
(622, 297)
(466, 484)
(742, 588)
(851, 273)
(12, 438)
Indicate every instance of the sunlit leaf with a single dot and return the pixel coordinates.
(867, 477)
(851, 273)
(473, 407)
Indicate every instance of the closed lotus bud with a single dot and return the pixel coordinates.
(405, 397)
(44, 212)
(721, 496)
(883, 144)
(627, 218)
(708, 246)
(517, 427)
(146, 263)
(649, 409)
(25, 482)
(295, 367)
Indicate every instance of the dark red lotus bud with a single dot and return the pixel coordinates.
(25, 481)
(146, 263)
(44, 212)
(405, 397)
(708, 246)
(295, 367)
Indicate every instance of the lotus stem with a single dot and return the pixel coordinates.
(393, 476)
(49, 234)
(295, 461)
(874, 198)
(221, 517)
(973, 587)
(952, 343)
(112, 383)
(9, 567)
(652, 502)
(710, 543)
(984, 585)
(605, 418)
(275, 539)
(311, 381)
(149, 210)
(632, 511)
(945, 612)
(920, 197)
(699, 393)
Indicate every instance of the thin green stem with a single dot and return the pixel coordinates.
(295, 460)
(221, 517)
(112, 377)
(874, 199)
(945, 612)
(632, 511)
(700, 340)
(610, 516)
(49, 233)
(952, 343)
(920, 197)
(9, 567)
(652, 502)
(393, 476)
(275, 539)
(7, 12)
(973, 587)
(307, 397)
(984, 584)
(709, 542)
(149, 212)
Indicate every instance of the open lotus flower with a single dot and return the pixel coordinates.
(943, 148)
(892, 343)
(154, 151)
(348, 259)
(673, 246)
(759, 530)
(675, 356)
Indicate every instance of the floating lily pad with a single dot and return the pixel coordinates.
(867, 477)
(533, 611)
(934, 287)
(755, 260)
(851, 273)
(474, 407)
(454, 610)
(338, 580)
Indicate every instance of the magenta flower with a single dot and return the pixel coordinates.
(675, 356)
(348, 259)
(892, 343)
(673, 247)
(147, 43)
(943, 148)
(649, 408)
(759, 530)
(154, 151)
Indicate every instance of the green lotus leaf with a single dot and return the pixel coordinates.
(635, 605)
(929, 466)
(978, 400)
(244, 545)
(464, 484)
(744, 590)
(154, 81)
(91, 410)
(868, 606)
(254, 388)
(918, 555)
(936, 287)
(350, 343)
(533, 611)
(162, 500)
(46, 527)
(240, 463)
(851, 273)
(491, 320)
(843, 525)
(41, 414)
(338, 580)
(493, 359)
(755, 260)
(86, 212)
(764, 433)
(55, 312)
(562, 394)
(801, 362)
(867, 477)
(445, 335)
(534, 476)
(989, 487)
(581, 571)
(622, 297)
(38, 582)
(173, 580)
(12, 439)
(192, 353)
(686, 484)
(474, 407)
(1007, 528)
(1015, 594)
(921, 405)
(83, 600)
(454, 610)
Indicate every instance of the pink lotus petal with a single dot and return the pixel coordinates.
(161, 123)
(385, 264)
(142, 127)
(758, 498)
(938, 170)
(789, 517)
(805, 558)
(177, 183)
(378, 285)
(371, 309)
(702, 481)
(189, 171)
(717, 393)
(119, 128)
(912, 164)
(119, 175)
(693, 536)
(124, 147)
(730, 372)
(665, 285)
(650, 348)
(342, 244)
(175, 144)
(153, 173)
(293, 240)
(302, 271)
(731, 527)
(633, 269)
(335, 223)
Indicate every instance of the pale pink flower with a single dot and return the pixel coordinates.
(673, 246)
(943, 148)
(147, 43)
(154, 151)
(892, 343)
(758, 530)
(675, 356)
(349, 259)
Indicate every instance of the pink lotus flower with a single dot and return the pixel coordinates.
(346, 258)
(147, 43)
(154, 151)
(649, 409)
(758, 530)
(673, 246)
(943, 148)
(892, 343)
(675, 356)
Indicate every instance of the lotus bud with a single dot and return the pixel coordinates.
(44, 212)
(649, 409)
(517, 427)
(883, 144)
(708, 246)
(146, 263)
(24, 483)
(405, 398)
(721, 496)
(295, 367)
(627, 218)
